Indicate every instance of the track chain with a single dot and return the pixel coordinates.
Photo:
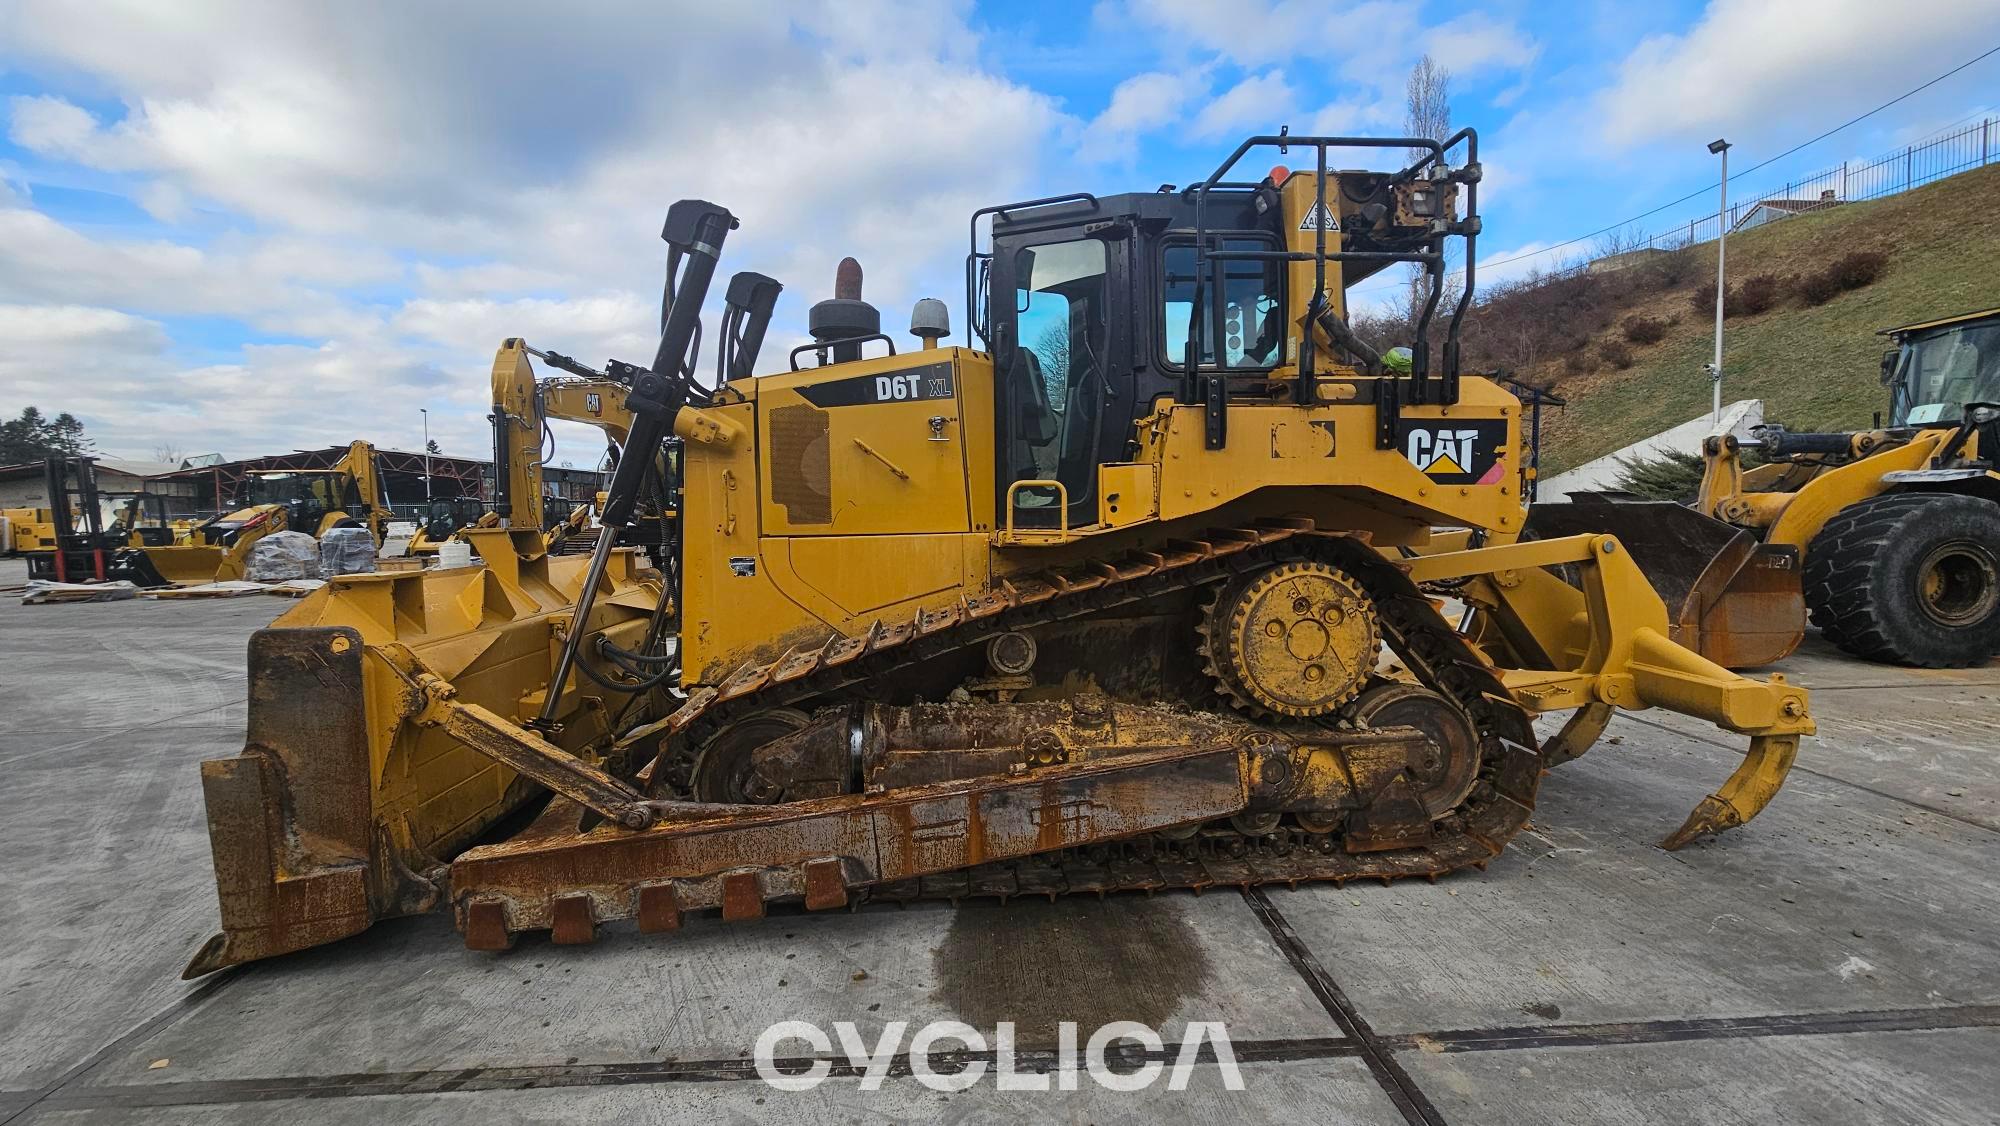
(1218, 855)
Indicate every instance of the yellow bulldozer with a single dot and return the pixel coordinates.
(904, 576)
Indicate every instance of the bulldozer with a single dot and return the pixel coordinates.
(890, 673)
(346, 495)
(1886, 539)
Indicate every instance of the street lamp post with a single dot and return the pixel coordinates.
(425, 411)
(1720, 148)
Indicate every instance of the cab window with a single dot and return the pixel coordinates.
(1058, 374)
(1943, 372)
(1253, 334)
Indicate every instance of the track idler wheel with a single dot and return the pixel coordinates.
(1296, 639)
(1445, 769)
(723, 772)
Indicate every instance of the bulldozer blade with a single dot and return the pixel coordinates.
(1734, 600)
(289, 821)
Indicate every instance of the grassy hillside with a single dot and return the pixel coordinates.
(1815, 368)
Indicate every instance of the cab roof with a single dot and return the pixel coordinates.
(1939, 322)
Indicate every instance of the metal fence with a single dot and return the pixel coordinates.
(1934, 158)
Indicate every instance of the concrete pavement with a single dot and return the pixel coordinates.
(1834, 961)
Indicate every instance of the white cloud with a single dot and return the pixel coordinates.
(407, 186)
(163, 201)
(1475, 42)
(1257, 32)
(51, 125)
(1258, 104)
(1761, 64)
(1358, 116)
(1140, 105)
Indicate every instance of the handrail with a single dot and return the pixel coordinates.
(973, 326)
(1062, 494)
(1431, 258)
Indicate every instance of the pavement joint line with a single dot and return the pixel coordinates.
(175, 1011)
(1409, 1099)
(1121, 1057)
(1698, 1028)
(1946, 684)
(1848, 782)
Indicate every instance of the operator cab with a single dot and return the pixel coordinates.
(306, 497)
(444, 516)
(1090, 305)
(140, 515)
(1939, 367)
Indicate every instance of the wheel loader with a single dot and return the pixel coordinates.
(1888, 539)
(1113, 601)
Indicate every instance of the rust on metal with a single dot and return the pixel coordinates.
(574, 923)
(742, 896)
(659, 909)
(826, 884)
(485, 925)
(290, 821)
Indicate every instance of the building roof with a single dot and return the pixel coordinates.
(1790, 206)
(138, 468)
(126, 466)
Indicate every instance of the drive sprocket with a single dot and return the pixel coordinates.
(1296, 639)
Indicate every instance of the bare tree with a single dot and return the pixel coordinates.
(1427, 114)
(168, 452)
(1052, 349)
(1427, 110)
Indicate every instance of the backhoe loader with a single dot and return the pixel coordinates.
(905, 575)
(522, 406)
(1887, 538)
(346, 495)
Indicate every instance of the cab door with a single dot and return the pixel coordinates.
(1061, 302)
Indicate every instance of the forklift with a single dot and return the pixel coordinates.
(83, 549)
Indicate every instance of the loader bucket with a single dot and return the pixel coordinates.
(186, 564)
(1734, 600)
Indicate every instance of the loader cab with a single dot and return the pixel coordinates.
(1940, 366)
(138, 519)
(1087, 306)
(446, 515)
(306, 497)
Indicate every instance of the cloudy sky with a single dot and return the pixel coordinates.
(252, 227)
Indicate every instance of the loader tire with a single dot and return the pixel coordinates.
(1909, 579)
